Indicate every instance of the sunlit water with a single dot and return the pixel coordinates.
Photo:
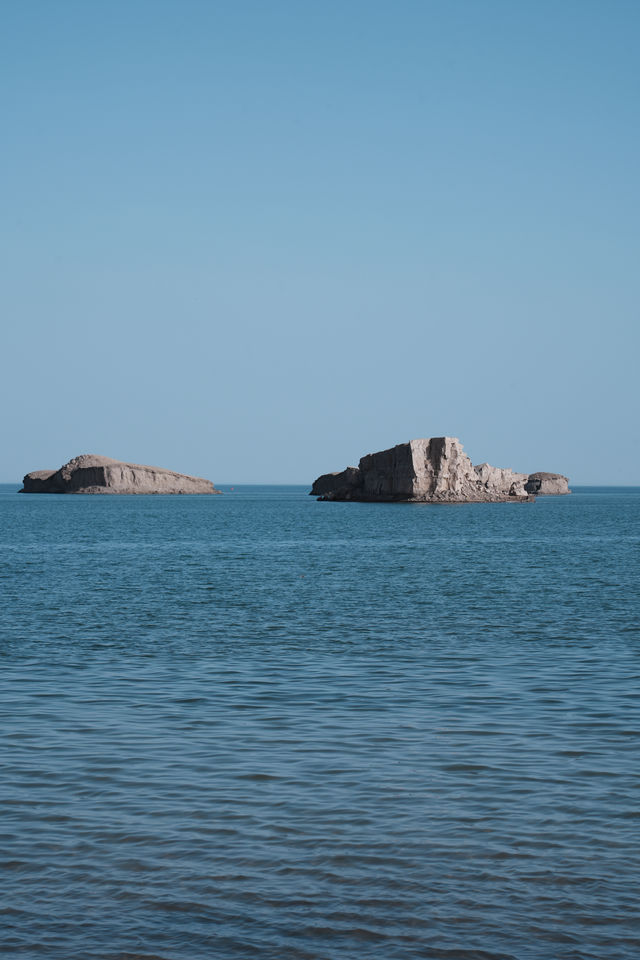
(257, 726)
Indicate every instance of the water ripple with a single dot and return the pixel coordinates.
(258, 726)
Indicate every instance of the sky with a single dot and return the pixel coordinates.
(254, 241)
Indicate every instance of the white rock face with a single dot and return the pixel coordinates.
(90, 473)
(500, 478)
(440, 470)
(433, 470)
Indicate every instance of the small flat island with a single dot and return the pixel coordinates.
(433, 470)
(90, 473)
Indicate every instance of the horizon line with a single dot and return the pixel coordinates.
(299, 483)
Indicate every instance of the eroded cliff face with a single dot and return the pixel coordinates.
(90, 473)
(39, 481)
(431, 470)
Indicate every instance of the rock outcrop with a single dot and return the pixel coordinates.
(339, 485)
(90, 473)
(433, 470)
(547, 484)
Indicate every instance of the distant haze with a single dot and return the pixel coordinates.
(255, 241)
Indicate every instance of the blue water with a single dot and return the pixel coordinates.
(258, 726)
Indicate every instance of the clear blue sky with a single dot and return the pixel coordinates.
(254, 241)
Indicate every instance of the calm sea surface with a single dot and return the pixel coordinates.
(257, 726)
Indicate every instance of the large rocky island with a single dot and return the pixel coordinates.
(90, 473)
(433, 470)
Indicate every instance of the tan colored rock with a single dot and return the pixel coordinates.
(430, 470)
(547, 484)
(500, 478)
(90, 473)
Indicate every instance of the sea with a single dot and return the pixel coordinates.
(259, 726)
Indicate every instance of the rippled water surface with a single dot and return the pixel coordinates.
(257, 726)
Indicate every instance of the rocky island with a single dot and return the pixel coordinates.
(433, 470)
(90, 473)
(546, 484)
